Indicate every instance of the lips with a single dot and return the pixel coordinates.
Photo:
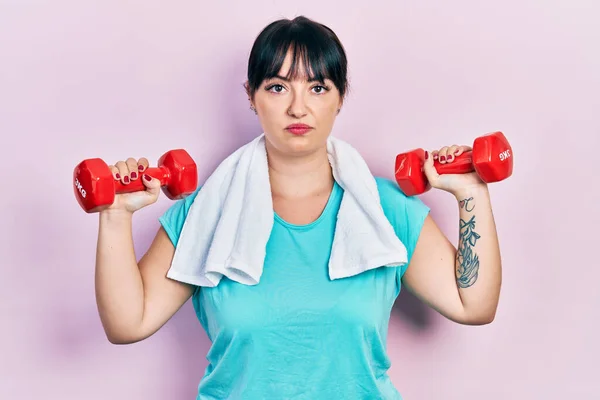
(298, 129)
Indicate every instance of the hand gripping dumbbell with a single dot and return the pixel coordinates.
(95, 186)
(491, 157)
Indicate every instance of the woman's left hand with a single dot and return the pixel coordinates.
(457, 184)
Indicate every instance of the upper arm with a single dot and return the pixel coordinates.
(431, 272)
(407, 216)
(163, 296)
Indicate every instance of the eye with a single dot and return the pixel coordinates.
(320, 89)
(276, 88)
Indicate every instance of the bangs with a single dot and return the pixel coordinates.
(315, 51)
(308, 61)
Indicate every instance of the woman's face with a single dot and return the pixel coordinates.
(284, 106)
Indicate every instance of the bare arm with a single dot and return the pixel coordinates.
(134, 300)
(462, 284)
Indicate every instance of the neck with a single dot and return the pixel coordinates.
(299, 177)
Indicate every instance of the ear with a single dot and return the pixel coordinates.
(247, 88)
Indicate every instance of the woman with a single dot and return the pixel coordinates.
(298, 334)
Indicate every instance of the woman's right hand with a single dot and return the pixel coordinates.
(130, 170)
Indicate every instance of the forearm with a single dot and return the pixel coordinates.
(478, 261)
(119, 287)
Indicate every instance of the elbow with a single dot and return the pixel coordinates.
(478, 319)
(484, 320)
(118, 338)
(119, 334)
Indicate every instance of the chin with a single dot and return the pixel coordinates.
(296, 144)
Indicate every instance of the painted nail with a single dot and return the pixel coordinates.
(126, 179)
(426, 155)
(140, 167)
(117, 176)
(442, 158)
(134, 175)
(147, 177)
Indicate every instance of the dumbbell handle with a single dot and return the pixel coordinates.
(160, 173)
(460, 165)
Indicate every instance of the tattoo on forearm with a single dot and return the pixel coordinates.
(465, 204)
(467, 260)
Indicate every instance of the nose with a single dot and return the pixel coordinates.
(297, 108)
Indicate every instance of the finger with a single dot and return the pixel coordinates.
(152, 184)
(132, 166)
(462, 149)
(443, 153)
(123, 172)
(429, 170)
(115, 172)
(143, 164)
(451, 153)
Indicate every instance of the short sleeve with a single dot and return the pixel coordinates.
(406, 214)
(173, 218)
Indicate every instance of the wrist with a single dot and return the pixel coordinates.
(471, 191)
(113, 216)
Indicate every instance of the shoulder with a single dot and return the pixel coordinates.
(407, 214)
(388, 189)
(394, 201)
(173, 219)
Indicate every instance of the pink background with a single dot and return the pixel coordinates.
(113, 79)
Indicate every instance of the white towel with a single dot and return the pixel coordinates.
(230, 221)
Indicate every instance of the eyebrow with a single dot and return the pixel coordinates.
(287, 80)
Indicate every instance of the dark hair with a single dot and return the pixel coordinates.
(313, 44)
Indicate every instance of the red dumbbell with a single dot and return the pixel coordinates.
(95, 186)
(491, 158)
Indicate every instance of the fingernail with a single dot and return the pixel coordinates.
(450, 158)
(147, 177)
(442, 158)
(140, 167)
(126, 179)
(456, 152)
(426, 155)
(117, 176)
(134, 175)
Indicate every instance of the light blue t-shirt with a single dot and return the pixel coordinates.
(297, 334)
